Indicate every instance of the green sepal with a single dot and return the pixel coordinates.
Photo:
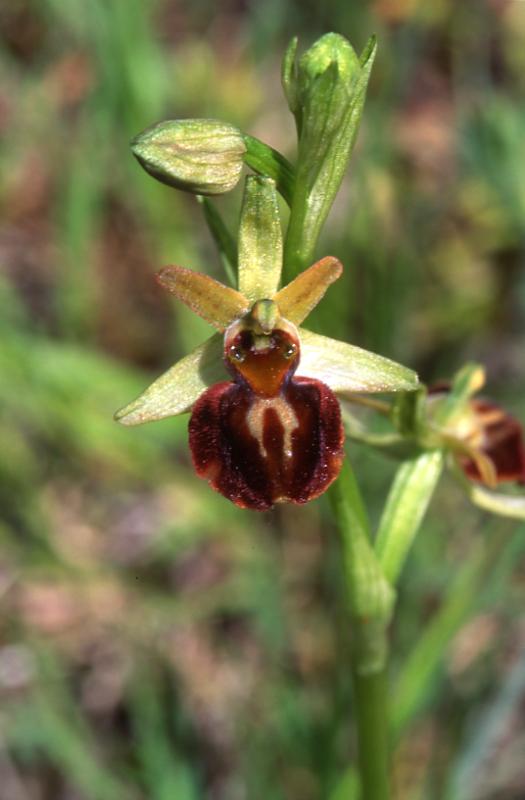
(469, 380)
(504, 505)
(349, 369)
(177, 389)
(260, 240)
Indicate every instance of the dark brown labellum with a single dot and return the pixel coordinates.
(501, 441)
(267, 437)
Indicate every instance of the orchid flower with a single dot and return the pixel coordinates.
(484, 444)
(485, 441)
(265, 423)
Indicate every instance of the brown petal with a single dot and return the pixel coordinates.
(217, 304)
(301, 296)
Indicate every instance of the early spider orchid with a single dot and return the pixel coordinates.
(265, 422)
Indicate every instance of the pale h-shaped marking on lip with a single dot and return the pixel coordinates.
(286, 415)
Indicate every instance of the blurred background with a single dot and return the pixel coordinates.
(156, 643)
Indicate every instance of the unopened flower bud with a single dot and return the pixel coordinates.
(329, 66)
(202, 156)
(325, 90)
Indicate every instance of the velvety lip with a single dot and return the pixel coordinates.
(267, 436)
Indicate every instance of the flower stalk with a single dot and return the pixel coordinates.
(370, 577)
(269, 162)
(371, 599)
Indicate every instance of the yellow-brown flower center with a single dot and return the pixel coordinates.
(263, 360)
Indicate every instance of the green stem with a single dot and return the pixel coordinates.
(371, 695)
(370, 599)
(371, 596)
(269, 162)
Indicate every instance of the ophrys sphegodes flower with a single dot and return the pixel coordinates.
(265, 422)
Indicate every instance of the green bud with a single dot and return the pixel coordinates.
(202, 156)
(325, 91)
(330, 49)
(326, 72)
